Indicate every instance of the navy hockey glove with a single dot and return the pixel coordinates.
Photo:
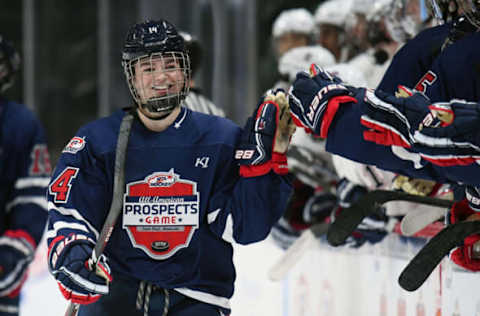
(70, 262)
(468, 254)
(393, 120)
(314, 100)
(319, 207)
(16, 252)
(456, 143)
(266, 137)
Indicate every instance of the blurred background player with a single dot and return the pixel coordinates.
(292, 28)
(330, 19)
(196, 100)
(24, 173)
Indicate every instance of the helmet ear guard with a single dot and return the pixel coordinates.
(156, 42)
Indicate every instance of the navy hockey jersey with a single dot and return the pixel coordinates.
(345, 138)
(184, 203)
(414, 58)
(455, 74)
(25, 171)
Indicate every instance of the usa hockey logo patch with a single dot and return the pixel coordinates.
(74, 145)
(161, 213)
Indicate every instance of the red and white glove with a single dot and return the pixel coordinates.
(70, 262)
(467, 255)
(16, 252)
(266, 137)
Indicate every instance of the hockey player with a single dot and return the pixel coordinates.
(25, 170)
(292, 28)
(330, 26)
(185, 200)
(195, 99)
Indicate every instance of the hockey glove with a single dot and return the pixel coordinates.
(473, 197)
(373, 228)
(284, 233)
(457, 143)
(314, 100)
(393, 120)
(319, 207)
(70, 263)
(467, 255)
(16, 252)
(265, 137)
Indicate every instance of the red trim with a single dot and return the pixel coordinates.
(278, 164)
(382, 136)
(53, 243)
(78, 298)
(20, 233)
(448, 162)
(331, 110)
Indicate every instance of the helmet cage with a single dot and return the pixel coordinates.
(143, 88)
(471, 9)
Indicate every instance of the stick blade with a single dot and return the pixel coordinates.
(422, 265)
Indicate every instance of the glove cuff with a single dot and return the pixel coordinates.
(331, 110)
(22, 235)
(278, 164)
(58, 247)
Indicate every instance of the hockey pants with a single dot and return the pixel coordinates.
(124, 299)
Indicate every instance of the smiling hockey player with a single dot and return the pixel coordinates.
(185, 200)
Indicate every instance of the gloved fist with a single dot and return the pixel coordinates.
(265, 137)
(77, 276)
(393, 120)
(16, 252)
(456, 142)
(314, 100)
(467, 255)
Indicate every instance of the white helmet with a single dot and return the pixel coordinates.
(333, 12)
(300, 58)
(362, 6)
(348, 73)
(293, 21)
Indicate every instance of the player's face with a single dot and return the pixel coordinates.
(158, 76)
(328, 37)
(288, 41)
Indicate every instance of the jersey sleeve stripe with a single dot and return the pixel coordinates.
(23, 183)
(73, 213)
(40, 201)
(64, 225)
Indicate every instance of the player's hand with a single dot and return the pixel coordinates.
(16, 252)
(314, 100)
(70, 262)
(265, 137)
(455, 143)
(468, 254)
(393, 120)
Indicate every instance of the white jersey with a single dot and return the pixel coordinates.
(369, 68)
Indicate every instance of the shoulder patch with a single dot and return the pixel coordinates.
(74, 145)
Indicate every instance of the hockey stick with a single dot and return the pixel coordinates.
(422, 265)
(117, 199)
(294, 253)
(417, 220)
(348, 220)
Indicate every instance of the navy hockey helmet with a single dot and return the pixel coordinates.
(9, 64)
(153, 43)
